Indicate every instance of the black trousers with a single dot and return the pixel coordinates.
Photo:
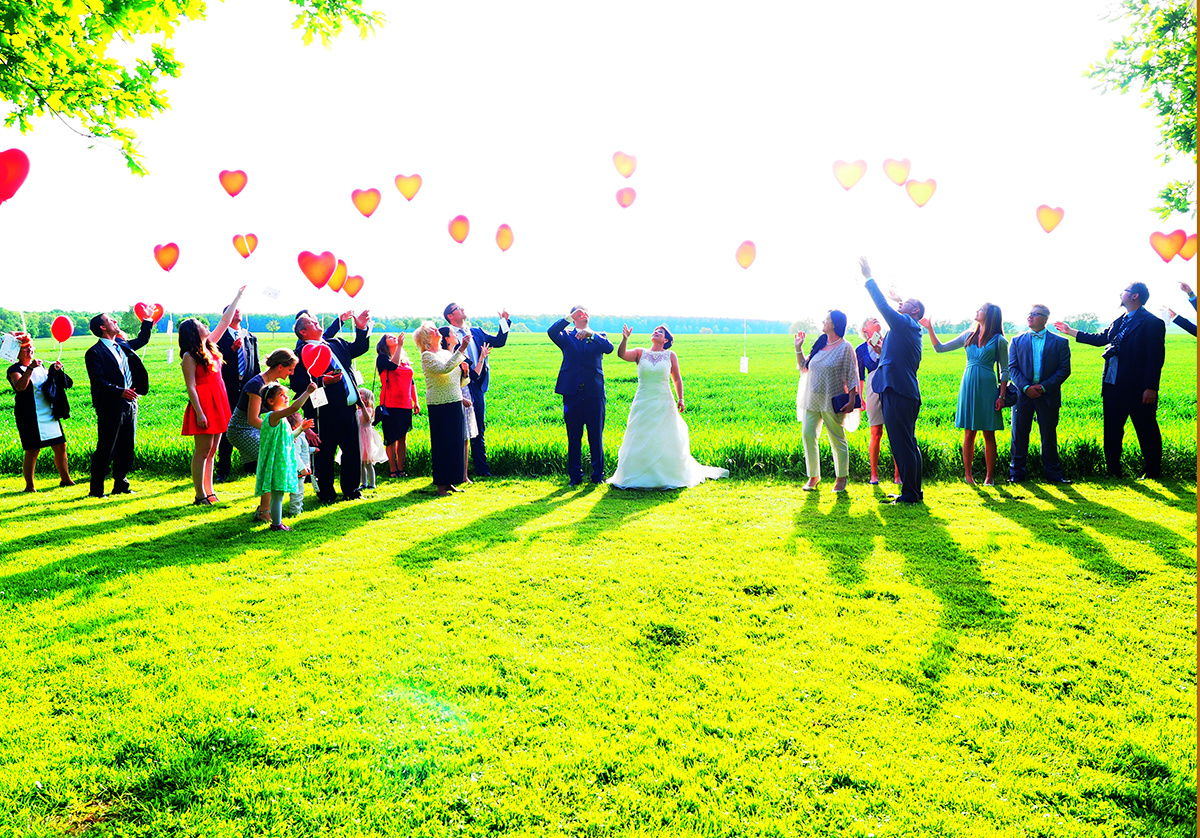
(1022, 423)
(478, 450)
(900, 421)
(580, 411)
(1119, 405)
(337, 426)
(116, 433)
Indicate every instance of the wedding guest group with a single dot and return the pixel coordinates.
(239, 364)
(478, 349)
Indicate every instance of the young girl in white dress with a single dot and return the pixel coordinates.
(656, 451)
(370, 443)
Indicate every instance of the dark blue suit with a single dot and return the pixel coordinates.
(581, 385)
(899, 393)
(478, 388)
(116, 416)
(1055, 368)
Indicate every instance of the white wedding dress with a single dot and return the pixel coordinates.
(656, 452)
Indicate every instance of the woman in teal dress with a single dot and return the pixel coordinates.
(981, 393)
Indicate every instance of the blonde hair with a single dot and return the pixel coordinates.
(423, 334)
(366, 397)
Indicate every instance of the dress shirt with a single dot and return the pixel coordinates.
(1036, 346)
(122, 361)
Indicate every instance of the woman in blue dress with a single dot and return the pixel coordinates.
(981, 393)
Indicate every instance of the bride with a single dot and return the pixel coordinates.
(655, 453)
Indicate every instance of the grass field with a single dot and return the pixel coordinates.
(737, 659)
(745, 422)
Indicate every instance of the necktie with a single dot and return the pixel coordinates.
(472, 350)
(123, 363)
(242, 360)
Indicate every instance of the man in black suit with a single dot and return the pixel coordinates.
(895, 381)
(478, 386)
(117, 377)
(1133, 361)
(1038, 363)
(581, 385)
(336, 422)
(239, 354)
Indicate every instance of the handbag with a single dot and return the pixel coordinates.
(54, 388)
(380, 413)
(840, 402)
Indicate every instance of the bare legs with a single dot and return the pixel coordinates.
(60, 462)
(397, 453)
(989, 456)
(202, 465)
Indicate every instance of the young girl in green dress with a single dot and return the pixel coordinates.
(278, 464)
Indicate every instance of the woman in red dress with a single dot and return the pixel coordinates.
(207, 413)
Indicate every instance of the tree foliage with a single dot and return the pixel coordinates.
(1159, 55)
(54, 58)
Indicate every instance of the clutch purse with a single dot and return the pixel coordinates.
(840, 402)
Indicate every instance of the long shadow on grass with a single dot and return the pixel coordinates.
(497, 527)
(205, 540)
(85, 503)
(1183, 497)
(1073, 514)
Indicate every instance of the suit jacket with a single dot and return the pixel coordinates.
(582, 363)
(331, 331)
(1185, 324)
(901, 353)
(479, 337)
(1056, 365)
(108, 383)
(1143, 351)
(345, 352)
(229, 368)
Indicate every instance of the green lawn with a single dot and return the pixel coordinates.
(737, 659)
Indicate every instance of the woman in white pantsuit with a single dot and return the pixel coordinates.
(828, 371)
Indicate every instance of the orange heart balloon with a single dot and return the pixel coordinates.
(366, 200)
(1166, 245)
(625, 197)
(1189, 247)
(339, 276)
(239, 244)
(459, 227)
(1049, 217)
(745, 254)
(157, 312)
(141, 311)
(897, 170)
(353, 285)
(625, 163)
(234, 182)
(504, 237)
(168, 254)
(920, 190)
(408, 185)
(848, 174)
(318, 269)
(251, 242)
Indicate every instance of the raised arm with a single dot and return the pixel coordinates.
(631, 355)
(143, 336)
(801, 358)
(223, 323)
(555, 332)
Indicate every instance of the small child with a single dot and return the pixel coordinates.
(370, 443)
(278, 464)
(304, 453)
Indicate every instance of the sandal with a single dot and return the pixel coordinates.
(281, 528)
(260, 517)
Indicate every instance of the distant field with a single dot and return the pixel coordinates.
(745, 422)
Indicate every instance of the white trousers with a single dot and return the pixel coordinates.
(813, 419)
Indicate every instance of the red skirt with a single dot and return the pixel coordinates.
(210, 389)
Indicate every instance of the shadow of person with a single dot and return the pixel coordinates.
(1174, 493)
(846, 555)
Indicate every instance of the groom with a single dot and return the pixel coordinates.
(581, 385)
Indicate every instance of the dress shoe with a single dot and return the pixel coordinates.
(576, 482)
(355, 495)
(483, 474)
(124, 490)
(1062, 481)
(220, 478)
(1012, 479)
(94, 495)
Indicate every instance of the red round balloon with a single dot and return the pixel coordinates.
(14, 168)
(62, 328)
(316, 358)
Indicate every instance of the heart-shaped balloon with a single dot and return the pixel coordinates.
(315, 357)
(1189, 247)
(504, 237)
(156, 313)
(1166, 245)
(339, 276)
(920, 190)
(746, 253)
(353, 285)
(233, 182)
(459, 227)
(14, 168)
(245, 244)
(625, 197)
(141, 311)
(897, 170)
(62, 328)
(166, 255)
(366, 201)
(848, 174)
(408, 185)
(1049, 217)
(316, 268)
(625, 163)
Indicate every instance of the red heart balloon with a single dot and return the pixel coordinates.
(353, 285)
(316, 358)
(141, 311)
(166, 255)
(62, 328)
(14, 168)
(316, 268)
(157, 312)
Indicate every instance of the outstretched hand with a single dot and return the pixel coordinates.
(799, 341)
(1185, 288)
(866, 268)
(925, 321)
(626, 331)
(363, 318)
(1065, 328)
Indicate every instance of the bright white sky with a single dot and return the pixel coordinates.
(511, 113)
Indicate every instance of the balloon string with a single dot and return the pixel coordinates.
(59, 358)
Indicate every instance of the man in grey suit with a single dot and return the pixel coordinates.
(896, 383)
(1038, 363)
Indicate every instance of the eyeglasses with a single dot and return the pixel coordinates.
(1038, 314)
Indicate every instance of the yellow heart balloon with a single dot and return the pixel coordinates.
(459, 227)
(504, 237)
(1166, 245)
(339, 276)
(1189, 247)
(1049, 217)
(848, 174)
(897, 170)
(625, 197)
(745, 254)
(625, 163)
(920, 190)
(408, 185)
(366, 201)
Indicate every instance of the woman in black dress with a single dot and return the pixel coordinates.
(36, 424)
